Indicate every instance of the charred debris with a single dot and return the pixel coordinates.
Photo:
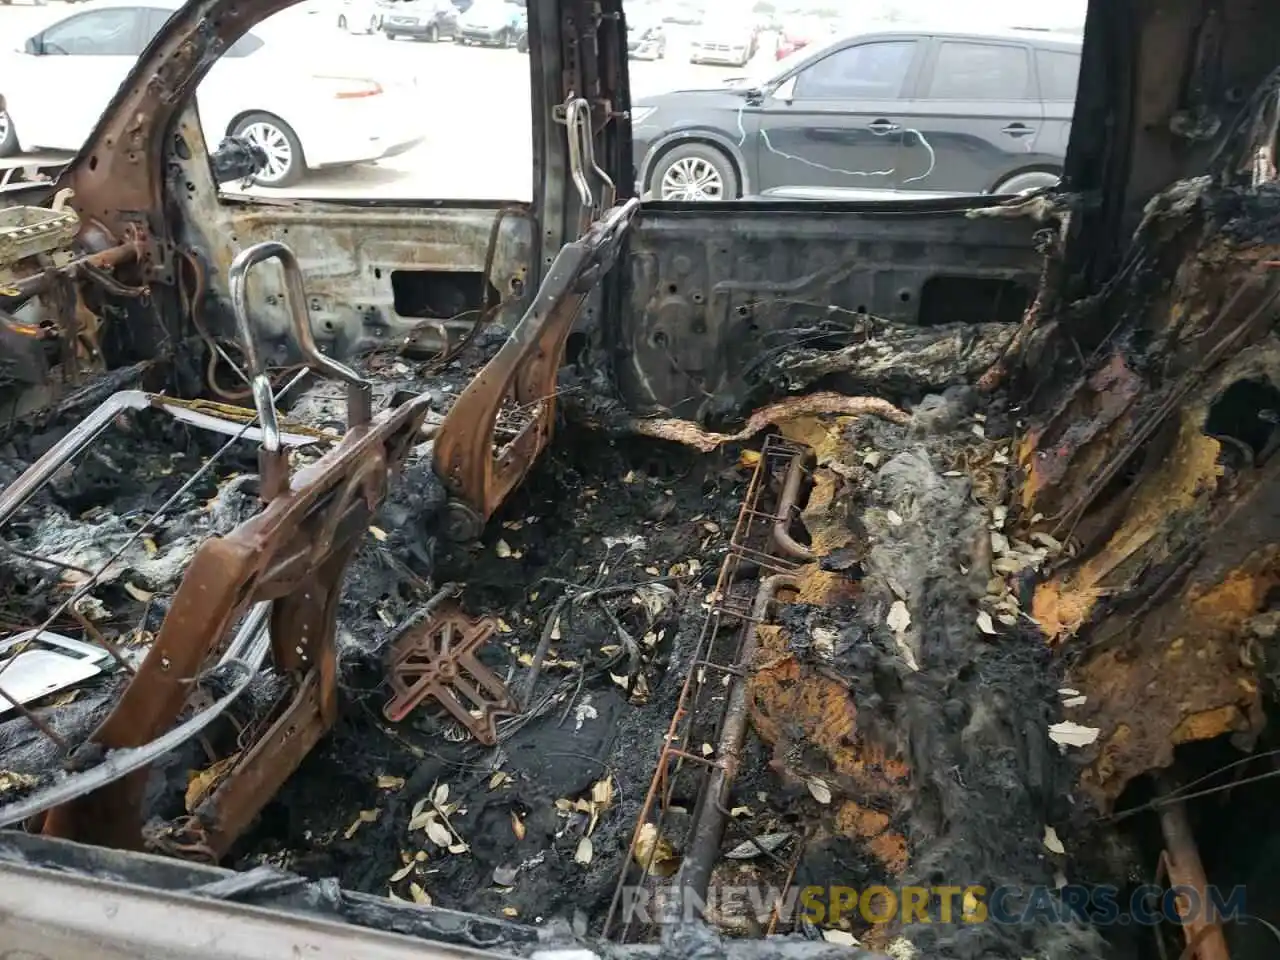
(974, 604)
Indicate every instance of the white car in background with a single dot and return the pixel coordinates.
(301, 97)
(352, 16)
(727, 42)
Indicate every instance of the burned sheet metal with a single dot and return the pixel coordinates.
(436, 660)
(1163, 482)
(499, 425)
(203, 416)
(295, 554)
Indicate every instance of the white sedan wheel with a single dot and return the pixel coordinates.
(281, 157)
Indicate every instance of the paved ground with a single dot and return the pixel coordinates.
(479, 142)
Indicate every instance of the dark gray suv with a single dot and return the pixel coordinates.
(877, 115)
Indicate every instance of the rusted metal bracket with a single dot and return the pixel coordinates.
(734, 609)
(1181, 861)
(479, 461)
(295, 553)
(782, 538)
(437, 659)
(576, 116)
(273, 463)
(713, 812)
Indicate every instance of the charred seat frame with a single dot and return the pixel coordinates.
(291, 558)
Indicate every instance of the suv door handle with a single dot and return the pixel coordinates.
(882, 126)
(1018, 130)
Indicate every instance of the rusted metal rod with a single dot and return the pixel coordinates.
(1182, 861)
(787, 504)
(107, 259)
(708, 829)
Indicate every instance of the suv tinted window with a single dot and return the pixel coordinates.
(868, 71)
(103, 33)
(980, 71)
(1058, 71)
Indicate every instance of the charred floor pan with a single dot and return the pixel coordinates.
(804, 660)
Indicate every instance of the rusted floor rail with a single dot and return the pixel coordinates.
(724, 652)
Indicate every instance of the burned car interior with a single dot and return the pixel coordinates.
(524, 579)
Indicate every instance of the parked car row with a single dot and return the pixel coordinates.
(879, 115)
(499, 23)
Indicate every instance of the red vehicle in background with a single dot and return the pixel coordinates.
(798, 35)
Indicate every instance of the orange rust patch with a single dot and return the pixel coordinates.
(793, 706)
(1060, 607)
(1064, 603)
(823, 435)
(1099, 410)
(1152, 692)
(888, 846)
(821, 516)
(854, 820)
(1240, 595)
(1210, 724)
(823, 588)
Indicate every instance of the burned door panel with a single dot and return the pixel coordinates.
(713, 293)
(376, 276)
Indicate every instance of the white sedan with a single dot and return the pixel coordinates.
(353, 16)
(305, 105)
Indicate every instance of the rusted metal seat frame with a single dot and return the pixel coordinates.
(294, 554)
(524, 372)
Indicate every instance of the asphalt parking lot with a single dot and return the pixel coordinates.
(477, 123)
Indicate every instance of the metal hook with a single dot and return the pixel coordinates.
(359, 390)
(582, 156)
(573, 112)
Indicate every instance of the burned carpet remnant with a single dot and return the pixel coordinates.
(902, 693)
(591, 573)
